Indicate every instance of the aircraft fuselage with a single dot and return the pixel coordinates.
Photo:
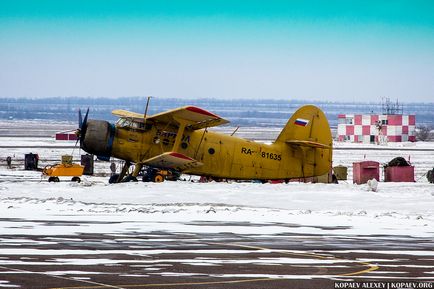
(223, 156)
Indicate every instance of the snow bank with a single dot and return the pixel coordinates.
(342, 209)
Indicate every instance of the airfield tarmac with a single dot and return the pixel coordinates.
(203, 260)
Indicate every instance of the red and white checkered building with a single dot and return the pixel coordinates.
(376, 128)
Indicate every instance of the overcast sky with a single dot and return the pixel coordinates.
(320, 50)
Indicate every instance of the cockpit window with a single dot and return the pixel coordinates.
(138, 125)
(130, 123)
(122, 122)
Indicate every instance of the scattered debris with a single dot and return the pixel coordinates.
(397, 162)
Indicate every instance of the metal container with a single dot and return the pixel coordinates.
(364, 171)
(67, 160)
(399, 174)
(31, 161)
(341, 173)
(430, 176)
(88, 163)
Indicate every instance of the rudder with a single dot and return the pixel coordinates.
(309, 130)
(308, 123)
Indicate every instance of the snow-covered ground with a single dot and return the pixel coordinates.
(395, 209)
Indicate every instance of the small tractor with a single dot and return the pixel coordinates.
(64, 169)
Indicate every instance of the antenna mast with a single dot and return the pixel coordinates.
(389, 108)
(146, 112)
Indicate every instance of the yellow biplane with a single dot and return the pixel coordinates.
(180, 140)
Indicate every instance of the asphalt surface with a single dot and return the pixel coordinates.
(199, 260)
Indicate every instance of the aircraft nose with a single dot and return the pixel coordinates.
(98, 139)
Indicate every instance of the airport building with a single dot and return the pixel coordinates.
(66, 135)
(390, 126)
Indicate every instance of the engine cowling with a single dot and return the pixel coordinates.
(98, 139)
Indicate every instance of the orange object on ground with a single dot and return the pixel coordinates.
(63, 170)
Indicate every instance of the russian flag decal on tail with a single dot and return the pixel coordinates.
(301, 122)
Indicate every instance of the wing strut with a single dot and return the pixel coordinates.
(201, 139)
(182, 124)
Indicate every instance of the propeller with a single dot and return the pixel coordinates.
(82, 127)
(80, 118)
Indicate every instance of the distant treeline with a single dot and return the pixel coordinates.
(245, 112)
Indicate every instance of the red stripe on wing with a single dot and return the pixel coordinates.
(180, 156)
(201, 111)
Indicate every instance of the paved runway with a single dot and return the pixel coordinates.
(204, 260)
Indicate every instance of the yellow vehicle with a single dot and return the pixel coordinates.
(179, 140)
(65, 169)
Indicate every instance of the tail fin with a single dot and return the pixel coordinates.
(307, 124)
(309, 130)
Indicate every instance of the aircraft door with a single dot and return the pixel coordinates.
(217, 157)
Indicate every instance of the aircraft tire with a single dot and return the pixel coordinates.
(158, 178)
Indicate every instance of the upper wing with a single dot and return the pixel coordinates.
(196, 117)
(128, 114)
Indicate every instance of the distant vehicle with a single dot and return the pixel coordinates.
(179, 140)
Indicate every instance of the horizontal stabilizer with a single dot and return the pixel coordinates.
(307, 143)
(173, 160)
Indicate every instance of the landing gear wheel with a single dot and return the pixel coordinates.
(53, 179)
(75, 179)
(158, 179)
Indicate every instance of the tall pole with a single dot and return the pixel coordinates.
(146, 111)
